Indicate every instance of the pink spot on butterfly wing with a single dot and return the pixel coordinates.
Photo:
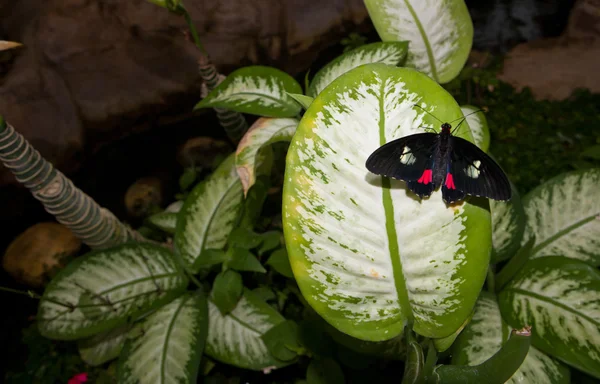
(450, 181)
(79, 378)
(426, 177)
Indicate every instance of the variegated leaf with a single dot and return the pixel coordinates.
(235, 338)
(169, 344)
(209, 214)
(392, 52)
(301, 99)
(256, 90)
(560, 298)
(564, 215)
(101, 290)
(484, 336)
(264, 131)
(104, 346)
(439, 32)
(167, 219)
(508, 225)
(368, 256)
(478, 124)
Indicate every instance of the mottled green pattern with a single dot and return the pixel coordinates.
(478, 124)
(560, 298)
(508, 225)
(104, 346)
(368, 258)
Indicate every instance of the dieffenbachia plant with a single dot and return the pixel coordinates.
(439, 32)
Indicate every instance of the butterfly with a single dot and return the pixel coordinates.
(427, 160)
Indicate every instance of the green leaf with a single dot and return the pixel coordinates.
(368, 256)
(265, 293)
(213, 257)
(440, 33)
(592, 152)
(442, 344)
(393, 349)
(271, 240)
(560, 298)
(514, 265)
(208, 215)
(478, 124)
(101, 290)
(253, 204)
(104, 346)
(414, 372)
(256, 90)
(244, 238)
(324, 371)
(170, 344)
(187, 178)
(263, 132)
(393, 53)
(235, 339)
(563, 215)
(280, 262)
(226, 291)
(508, 225)
(241, 259)
(301, 99)
(485, 335)
(167, 219)
(282, 341)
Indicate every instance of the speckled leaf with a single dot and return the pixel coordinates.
(440, 33)
(235, 338)
(478, 124)
(564, 215)
(264, 131)
(167, 219)
(508, 225)
(104, 346)
(368, 256)
(256, 90)
(301, 99)
(484, 336)
(560, 298)
(392, 52)
(209, 214)
(102, 289)
(169, 344)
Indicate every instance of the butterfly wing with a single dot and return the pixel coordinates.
(408, 158)
(474, 173)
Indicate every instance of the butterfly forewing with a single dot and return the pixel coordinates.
(404, 158)
(475, 173)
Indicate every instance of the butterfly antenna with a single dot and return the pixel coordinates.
(463, 119)
(417, 105)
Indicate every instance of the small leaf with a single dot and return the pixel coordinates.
(414, 372)
(264, 131)
(167, 219)
(187, 178)
(270, 241)
(282, 341)
(104, 346)
(391, 52)
(256, 90)
(241, 259)
(301, 99)
(280, 262)
(592, 152)
(212, 257)
(324, 371)
(244, 238)
(226, 291)
(265, 293)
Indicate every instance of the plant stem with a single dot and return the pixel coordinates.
(192, 28)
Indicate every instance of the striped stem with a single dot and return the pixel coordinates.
(92, 224)
(232, 122)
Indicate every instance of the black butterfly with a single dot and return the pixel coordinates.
(427, 160)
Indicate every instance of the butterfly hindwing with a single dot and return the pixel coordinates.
(405, 158)
(475, 173)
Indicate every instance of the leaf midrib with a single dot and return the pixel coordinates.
(434, 73)
(562, 233)
(163, 356)
(279, 100)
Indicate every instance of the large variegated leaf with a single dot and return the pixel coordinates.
(508, 225)
(169, 344)
(209, 214)
(367, 254)
(235, 338)
(484, 336)
(393, 53)
(264, 131)
(478, 124)
(256, 90)
(104, 346)
(102, 289)
(563, 215)
(560, 298)
(440, 33)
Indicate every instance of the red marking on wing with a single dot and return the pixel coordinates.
(426, 177)
(450, 181)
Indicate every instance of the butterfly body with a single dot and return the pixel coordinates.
(426, 161)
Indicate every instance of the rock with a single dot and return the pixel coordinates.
(143, 196)
(202, 152)
(98, 69)
(38, 253)
(554, 68)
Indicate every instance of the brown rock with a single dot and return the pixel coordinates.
(143, 195)
(36, 254)
(202, 152)
(584, 20)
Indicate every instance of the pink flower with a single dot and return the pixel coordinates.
(79, 378)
